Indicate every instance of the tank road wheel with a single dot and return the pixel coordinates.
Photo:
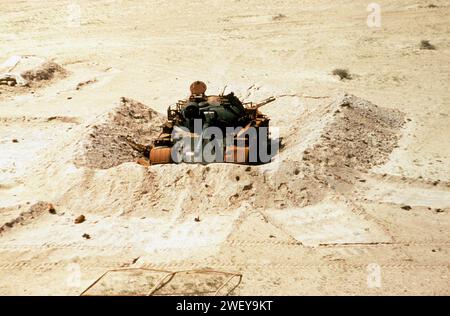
(236, 154)
(160, 155)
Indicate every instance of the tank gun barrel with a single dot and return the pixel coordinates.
(262, 103)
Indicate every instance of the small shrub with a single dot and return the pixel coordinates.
(342, 73)
(427, 45)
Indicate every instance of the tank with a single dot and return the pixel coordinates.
(213, 129)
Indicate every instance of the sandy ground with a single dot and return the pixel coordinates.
(358, 201)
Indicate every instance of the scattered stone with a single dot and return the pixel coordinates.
(86, 236)
(15, 140)
(406, 207)
(51, 209)
(82, 84)
(80, 219)
(278, 17)
(41, 207)
(33, 212)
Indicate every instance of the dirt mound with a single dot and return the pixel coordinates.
(19, 74)
(46, 71)
(360, 135)
(106, 144)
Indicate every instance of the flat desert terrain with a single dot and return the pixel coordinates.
(356, 202)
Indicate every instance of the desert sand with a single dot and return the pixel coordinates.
(357, 201)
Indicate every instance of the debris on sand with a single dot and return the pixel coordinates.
(12, 80)
(42, 207)
(279, 17)
(85, 83)
(29, 71)
(34, 211)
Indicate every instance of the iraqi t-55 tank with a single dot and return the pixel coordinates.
(215, 128)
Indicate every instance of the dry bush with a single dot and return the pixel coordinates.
(425, 44)
(342, 73)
